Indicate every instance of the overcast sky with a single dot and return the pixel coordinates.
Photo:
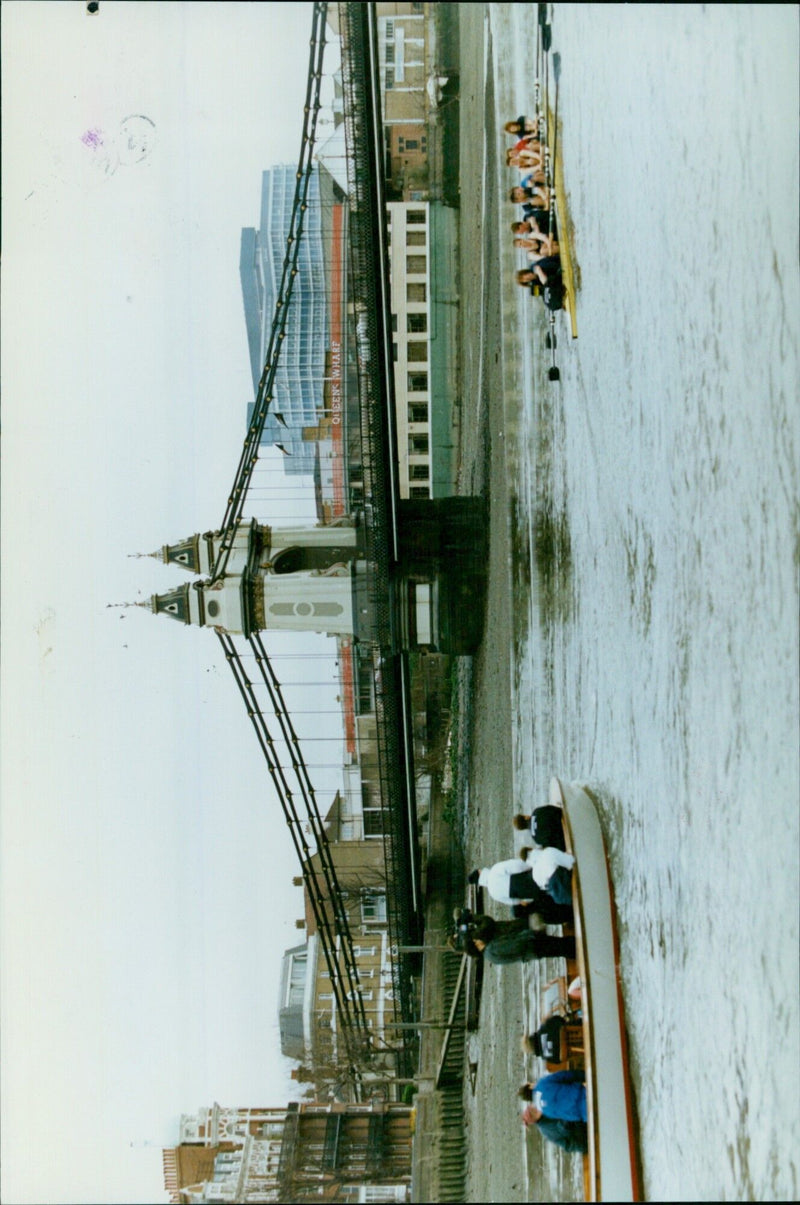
(146, 869)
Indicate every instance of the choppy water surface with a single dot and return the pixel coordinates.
(658, 497)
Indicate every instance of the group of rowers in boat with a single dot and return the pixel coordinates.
(535, 233)
(537, 885)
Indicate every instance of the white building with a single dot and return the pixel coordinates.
(409, 269)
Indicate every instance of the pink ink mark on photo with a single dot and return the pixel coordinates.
(93, 138)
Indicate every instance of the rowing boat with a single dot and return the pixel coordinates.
(563, 223)
(611, 1166)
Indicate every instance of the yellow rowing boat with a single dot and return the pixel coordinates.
(564, 225)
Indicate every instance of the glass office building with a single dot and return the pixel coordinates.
(299, 383)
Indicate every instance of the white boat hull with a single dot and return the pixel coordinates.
(612, 1163)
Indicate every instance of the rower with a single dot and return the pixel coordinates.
(545, 273)
(523, 125)
(538, 244)
(525, 196)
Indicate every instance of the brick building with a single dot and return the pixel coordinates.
(330, 1152)
(308, 1015)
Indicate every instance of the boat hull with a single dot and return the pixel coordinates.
(612, 1171)
(563, 227)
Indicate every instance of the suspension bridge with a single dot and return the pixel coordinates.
(400, 554)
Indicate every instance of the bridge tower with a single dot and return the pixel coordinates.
(290, 579)
(318, 579)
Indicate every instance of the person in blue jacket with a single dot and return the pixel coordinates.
(556, 1105)
(561, 1094)
(571, 1136)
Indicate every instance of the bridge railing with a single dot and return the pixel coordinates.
(369, 287)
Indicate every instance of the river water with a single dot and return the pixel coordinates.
(654, 510)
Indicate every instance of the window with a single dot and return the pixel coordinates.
(415, 217)
(297, 980)
(419, 472)
(415, 238)
(227, 1161)
(418, 491)
(382, 1192)
(373, 910)
(373, 822)
(418, 351)
(418, 445)
(416, 324)
(416, 291)
(417, 382)
(416, 265)
(369, 793)
(418, 412)
(412, 144)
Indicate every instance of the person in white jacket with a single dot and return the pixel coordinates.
(517, 879)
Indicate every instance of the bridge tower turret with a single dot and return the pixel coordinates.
(291, 579)
(316, 579)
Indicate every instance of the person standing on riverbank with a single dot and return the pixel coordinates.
(516, 879)
(504, 942)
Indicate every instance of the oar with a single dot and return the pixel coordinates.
(551, 341)
(556, 77)
(552, 182)
(546, 28)
(541, 78)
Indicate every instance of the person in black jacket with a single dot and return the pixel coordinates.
(545, 1042)
(503, 942)
(545, 825)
